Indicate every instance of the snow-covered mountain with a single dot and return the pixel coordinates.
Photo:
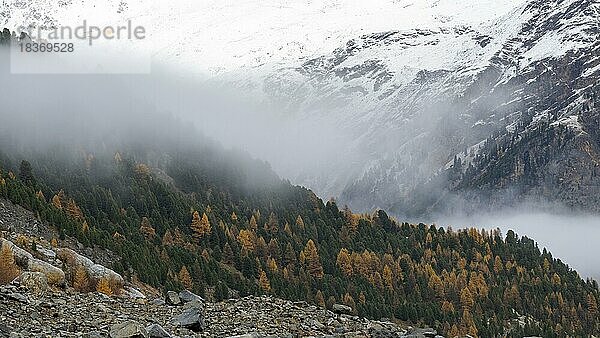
(225, 36)
(443, 104)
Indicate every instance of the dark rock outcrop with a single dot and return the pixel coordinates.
(191, 319)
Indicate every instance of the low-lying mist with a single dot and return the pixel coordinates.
(569, 237)
(100, 109)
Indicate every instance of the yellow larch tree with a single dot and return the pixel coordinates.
(247, 240)
(103, 286)
(467, 325)
(142, 170)
(73, 210)
(205, 254)
(185, 278)
(348, 300)
(85, 227)
(447, 307)
(388, 277)
(498, 266)
(319, 299)
(287, 229)
(344, 262)
(466, 299)
(56, 202)
(312, 260)
(592, 305)
(272, 264)
(167, 238)
(300, 222)
(263, 282)
(81, 281)
(454, 332)
(200, 226)
(146, 228)
(253, 224)
(8, 268)
(40, 196)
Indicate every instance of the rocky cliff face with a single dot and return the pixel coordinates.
(515, 120)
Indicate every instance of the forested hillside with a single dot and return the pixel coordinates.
(223, 224)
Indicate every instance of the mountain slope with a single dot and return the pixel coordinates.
(164, 205)
(414, 100)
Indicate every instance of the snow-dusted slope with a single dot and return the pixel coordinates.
(228, 35)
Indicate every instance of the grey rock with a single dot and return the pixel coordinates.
(158, 301)
(247, 335)
(4, 330)
(342, 309)
(18, 297)
(173, 298)
(187, 296)
(48, 254)
(95, 271)
(421, 333)
(128, 329)
(191, 319)
(36, 282)
(194, 304)
(156, 331)
(133, 293)
(427, 332)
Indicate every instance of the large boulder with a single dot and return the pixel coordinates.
(36, 282)
(95, 272)
(133, 293)
(22, 257)
(128, 329)
(342, 309)
(173, 298)
(191, 319)
(26, 261)
(55, 275)
(48, 254)
(187, 296)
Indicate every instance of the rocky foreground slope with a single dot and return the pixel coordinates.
(73, 314)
